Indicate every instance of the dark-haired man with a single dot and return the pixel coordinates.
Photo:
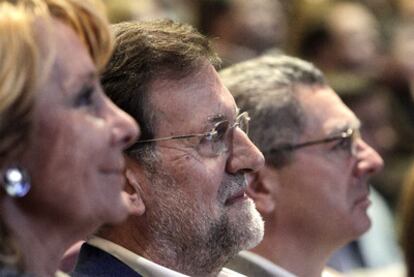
(187, 171)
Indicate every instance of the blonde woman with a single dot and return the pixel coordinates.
(61, 139)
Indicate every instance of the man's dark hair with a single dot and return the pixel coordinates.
(266, 88)
(149, 51)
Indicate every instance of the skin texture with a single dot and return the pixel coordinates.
(321, 198)
(74, 159)
(193, 221)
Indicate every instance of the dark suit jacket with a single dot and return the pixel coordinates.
(93, 262)
(11, 272)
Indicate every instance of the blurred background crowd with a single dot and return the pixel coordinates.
(365, 48)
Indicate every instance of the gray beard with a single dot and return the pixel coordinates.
(186, 238)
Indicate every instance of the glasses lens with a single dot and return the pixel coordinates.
(221, 130)
(243, 122)
(349, 141)
(219, 138)
(217, 143)
(355, 136)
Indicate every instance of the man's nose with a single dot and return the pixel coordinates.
(369, 161)
(244, 155)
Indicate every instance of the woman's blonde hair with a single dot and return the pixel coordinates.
(25, 63)
(88, 20)
(19, 59)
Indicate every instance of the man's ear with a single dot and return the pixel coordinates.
(260, 189)
(133, 190)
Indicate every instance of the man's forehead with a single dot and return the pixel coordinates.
(199, 97)
(190, 82)
(338, 127)
(323, 109)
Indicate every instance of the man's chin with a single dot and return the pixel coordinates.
(355, 226)
(362, 225)
(249, 224)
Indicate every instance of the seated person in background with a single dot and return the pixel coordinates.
(61, 138)
(189, 167)
(243, 29)
(313, 190)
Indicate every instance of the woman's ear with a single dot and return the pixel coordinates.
(260, 189)
(133, 190)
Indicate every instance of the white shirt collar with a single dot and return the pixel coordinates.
(279, 271)
(266, 264)
(141, 265)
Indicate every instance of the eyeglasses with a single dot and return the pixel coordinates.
(346, 142)
(213, 142)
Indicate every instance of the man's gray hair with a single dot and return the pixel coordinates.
(266, 88)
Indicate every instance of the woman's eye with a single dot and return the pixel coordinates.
(85, 97)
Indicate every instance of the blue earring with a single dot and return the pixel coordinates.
(16, 182)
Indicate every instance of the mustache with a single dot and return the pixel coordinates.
(231, 185)
(240, 179)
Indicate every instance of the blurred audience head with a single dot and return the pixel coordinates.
(243, 29)
(334, 42)
(402, 48)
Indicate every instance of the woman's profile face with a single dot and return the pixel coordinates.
(75, 156)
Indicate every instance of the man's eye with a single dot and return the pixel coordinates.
(209, 137)
(221, 130)
(217, 134)
(343, 144)
(85, 97)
